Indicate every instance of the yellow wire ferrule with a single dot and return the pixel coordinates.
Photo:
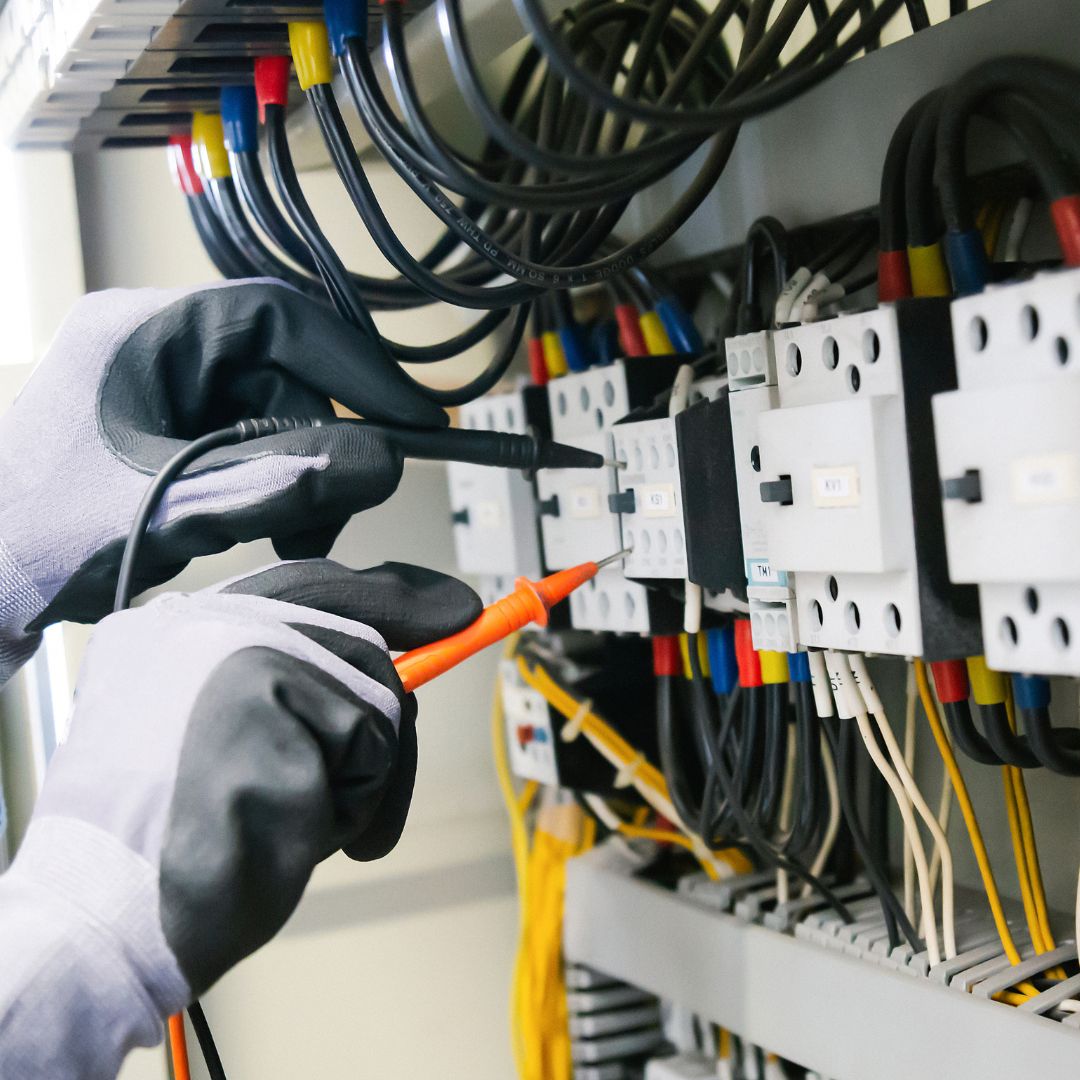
(554, 357)
(208, 146)
(656, 337)
(702, 652)
(310, 46)
(774, 667)
(989, 687)
(929, 273)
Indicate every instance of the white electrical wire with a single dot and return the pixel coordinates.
(823, 706)
(832, 827)
(876, 708)
(1018, 227)
(812, 305)
(787, 798)
(790, 292)
(909, 757)
(851, 706)
(817, 284)
(679, 400)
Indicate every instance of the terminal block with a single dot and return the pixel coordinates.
(1008, 447)
(649, 499)
(849, 483)
(770, 591)
(494, 510)
(578, 508)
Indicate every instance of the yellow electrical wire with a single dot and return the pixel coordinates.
(1027, 828)
(646, 777)
(964, 800)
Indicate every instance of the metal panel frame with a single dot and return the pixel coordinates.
(844, 1017)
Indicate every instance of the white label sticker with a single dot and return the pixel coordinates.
(489, 515)
(1047, 478)
(656, 500)
(762, 573)
(835, 487)
(585, 502)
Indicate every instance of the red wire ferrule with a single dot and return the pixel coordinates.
(182, 164)
(746, 656)
(631, 339)
(950, 680)
(271, 82)
(894, 276)
(666, 656)
(537, 365)
(1066, 214)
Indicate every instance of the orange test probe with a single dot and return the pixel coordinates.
(529, 602)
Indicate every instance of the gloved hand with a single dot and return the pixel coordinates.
(222, 744)
(131, 377)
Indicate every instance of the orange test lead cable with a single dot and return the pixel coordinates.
(529, 602)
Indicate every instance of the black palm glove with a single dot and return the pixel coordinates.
(132, 377)
(225, 742)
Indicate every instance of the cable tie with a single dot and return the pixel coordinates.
(625, 775)
(572, 728)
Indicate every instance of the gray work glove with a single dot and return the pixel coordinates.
(131, 377)
(222, 744)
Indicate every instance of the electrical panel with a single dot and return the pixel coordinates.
(848, 483)
(1009, 458)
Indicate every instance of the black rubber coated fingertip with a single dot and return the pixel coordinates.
(310, 543)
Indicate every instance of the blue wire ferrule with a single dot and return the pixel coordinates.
(723, 667)
(240, 118)
(577, 358)
(679, 326)
(345, 19)
(1031, 691)
(798, 667)
(966, 256)
(604, 339)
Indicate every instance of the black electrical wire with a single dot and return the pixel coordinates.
(1046, 744)
(1011, 748)
(672, 751)
(766, 236)
(214, 1067)
(749, 830)
(221, 251)
(892, 217)
(810, 812)
(966, 736)
(155, 492)
(777, 91)
(896, 921)
(263, 261)
(923, 227)
(1018, 74)
(917, 15)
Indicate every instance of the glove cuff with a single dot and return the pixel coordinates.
(20, 604)
(102, 903)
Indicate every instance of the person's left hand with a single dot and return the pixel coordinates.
(130, 379)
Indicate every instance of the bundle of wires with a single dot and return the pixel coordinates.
(935, 238)
(605, 101)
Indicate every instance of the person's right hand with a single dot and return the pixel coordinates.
(223, 743)
(135, 375)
